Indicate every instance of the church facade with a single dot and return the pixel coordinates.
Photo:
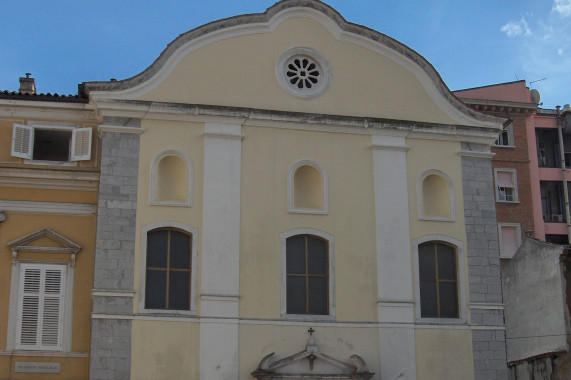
(290, 195)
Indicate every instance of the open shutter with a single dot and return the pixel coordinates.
(81, 144)
(28, 311)
(22, 141)
(40, 312)
(52, 309)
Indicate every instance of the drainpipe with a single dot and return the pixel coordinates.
(564, 173)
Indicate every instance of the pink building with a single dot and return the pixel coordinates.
(530, 164)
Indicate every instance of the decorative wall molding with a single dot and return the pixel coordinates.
(49, 179)
(58, 208)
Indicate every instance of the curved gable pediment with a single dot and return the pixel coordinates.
(234, 63)
(311, 364)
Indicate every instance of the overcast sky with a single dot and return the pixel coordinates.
(470, 43)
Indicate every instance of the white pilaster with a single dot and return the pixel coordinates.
(394, 266)
(220, 252)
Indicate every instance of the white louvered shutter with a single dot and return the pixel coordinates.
(22, 141)
(40, 313)
(81, 144)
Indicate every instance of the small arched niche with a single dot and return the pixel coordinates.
(307, 190)
(436, 196)
(171, 179)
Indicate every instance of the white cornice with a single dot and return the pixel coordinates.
(60, 208)
(398, 148)
(469, 153)
(47, 110)
(49, 179)
(224, 136)
(120, 129)
(291, 120)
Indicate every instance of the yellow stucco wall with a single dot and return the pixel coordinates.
(444, 354)
(165, 350)
(160, 136)
(79, 229)
(441, 155)
(240, 71)
(267, 155)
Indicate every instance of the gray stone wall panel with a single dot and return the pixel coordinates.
(110, 356)
(488, 346)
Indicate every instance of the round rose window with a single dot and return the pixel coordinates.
(303, 72)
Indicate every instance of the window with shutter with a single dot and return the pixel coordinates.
(50, 143)
(81, 144)
(506, 185)
(40, 309)
(22, 141)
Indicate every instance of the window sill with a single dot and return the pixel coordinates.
(441, 321)
(171, 204)
(504, 146)
(513, 202)
(308, 211)
(39, 353)
(50, 163)
(308, 317)
(167, 313)
(436, 219)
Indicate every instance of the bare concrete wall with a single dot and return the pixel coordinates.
(534, 295)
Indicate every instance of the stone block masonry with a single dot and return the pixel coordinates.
(110, 356)
(488, 342)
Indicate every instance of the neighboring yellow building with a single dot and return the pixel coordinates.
(283, 195)
(49, 177)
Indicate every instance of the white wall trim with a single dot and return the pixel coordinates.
(112, 293)
(331, 259)
(58, 208)
(469, 153)
(397, 148)
(193, 270)
(460, 280)
(52, 354)
(189, 173)
(325, 184)
(324, 78)
(518, 237)
(224, 136)
(119, 129)
(67, 325)
(487, 306)
(420, 198)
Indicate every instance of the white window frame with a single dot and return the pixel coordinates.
(14, 307)
(193, 270)
(42, 296)
(510, 132)
(80, 144)
(514, 181)
(420, 197)
(283, 275)
(518, 237)
(460, 278)
(291, 183)
(188, 162)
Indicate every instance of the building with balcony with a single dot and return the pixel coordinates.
(530, 162)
